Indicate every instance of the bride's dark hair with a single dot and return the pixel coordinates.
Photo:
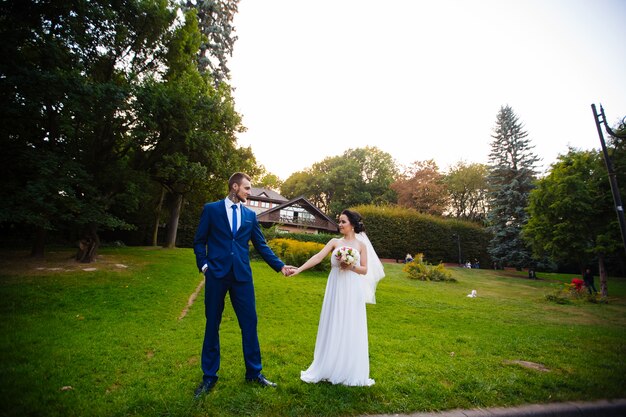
(355, 220)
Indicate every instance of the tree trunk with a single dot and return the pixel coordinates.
(172, 224)
(157, 218)
(604, 289)
(88, 245)
(37, 250)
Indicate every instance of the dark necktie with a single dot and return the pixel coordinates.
(234, 207)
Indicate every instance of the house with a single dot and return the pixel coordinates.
(297, 215)
(263, 199)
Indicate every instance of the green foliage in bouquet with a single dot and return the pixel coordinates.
(423, 271)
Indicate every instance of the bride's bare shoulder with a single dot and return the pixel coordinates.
(334, 242)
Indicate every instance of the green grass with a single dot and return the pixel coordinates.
(113, 335)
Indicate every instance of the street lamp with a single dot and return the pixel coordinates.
(458, 243)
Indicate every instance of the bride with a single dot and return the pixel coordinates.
(341, 348)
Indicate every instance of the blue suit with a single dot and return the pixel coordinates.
(228, 261)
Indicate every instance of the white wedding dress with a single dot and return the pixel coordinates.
(341, 349)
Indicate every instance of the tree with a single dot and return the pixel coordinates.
(378, 171)
(266, 179)
(187, 125)
(67, 76)
(510, 179)
(215, 18)
(110, 94)
(422, 188)
(571, 213)
(467, 191)
(326, 184)
(359, 176)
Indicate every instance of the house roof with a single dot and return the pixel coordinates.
(303, 202)
(265, 194)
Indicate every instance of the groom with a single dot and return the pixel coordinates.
(221, 248)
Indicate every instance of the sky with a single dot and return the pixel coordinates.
(423, 79)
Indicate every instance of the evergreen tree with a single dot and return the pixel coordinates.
(511, 177)
(215, 19)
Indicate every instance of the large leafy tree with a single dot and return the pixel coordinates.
(511, 177)
(268, 180)
(67, 77)
(327, 184)
(466, 184)
(99, 96)
(571, 213)
(359, 176)
(187, 126)
(422, 188)
(378, 171)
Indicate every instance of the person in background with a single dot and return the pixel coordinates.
(588, 278)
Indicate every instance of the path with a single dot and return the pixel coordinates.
(601, 408)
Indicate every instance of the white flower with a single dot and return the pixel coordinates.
(346, 255)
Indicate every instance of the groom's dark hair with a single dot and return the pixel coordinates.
(236, 178)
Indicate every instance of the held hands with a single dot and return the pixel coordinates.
(288, 270)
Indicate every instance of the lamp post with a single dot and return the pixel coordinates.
(458, 243)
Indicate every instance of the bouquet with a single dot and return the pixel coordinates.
(346, 255)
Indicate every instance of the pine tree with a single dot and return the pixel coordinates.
(511, 177)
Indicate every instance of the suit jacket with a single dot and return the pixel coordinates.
(215, 245)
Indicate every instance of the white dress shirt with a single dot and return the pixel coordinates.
(229, 213)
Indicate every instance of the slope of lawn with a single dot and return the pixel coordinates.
(109, 341)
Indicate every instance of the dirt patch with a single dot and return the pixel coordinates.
(191, 300)
(56, 262)
(113, 388)
(529, 365)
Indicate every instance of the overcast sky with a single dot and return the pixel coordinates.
(423, 79)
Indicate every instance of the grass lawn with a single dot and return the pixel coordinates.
(109, 342)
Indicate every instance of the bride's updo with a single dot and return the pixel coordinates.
(355, 220)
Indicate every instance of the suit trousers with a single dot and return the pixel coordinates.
(243, 301)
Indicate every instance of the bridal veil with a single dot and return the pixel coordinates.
(375, 270)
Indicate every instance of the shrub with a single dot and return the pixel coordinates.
(294, 252)
(574, 291)
(419, 269)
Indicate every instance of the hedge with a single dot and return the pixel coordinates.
(396, 231)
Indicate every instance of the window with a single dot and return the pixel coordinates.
(296, 214)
